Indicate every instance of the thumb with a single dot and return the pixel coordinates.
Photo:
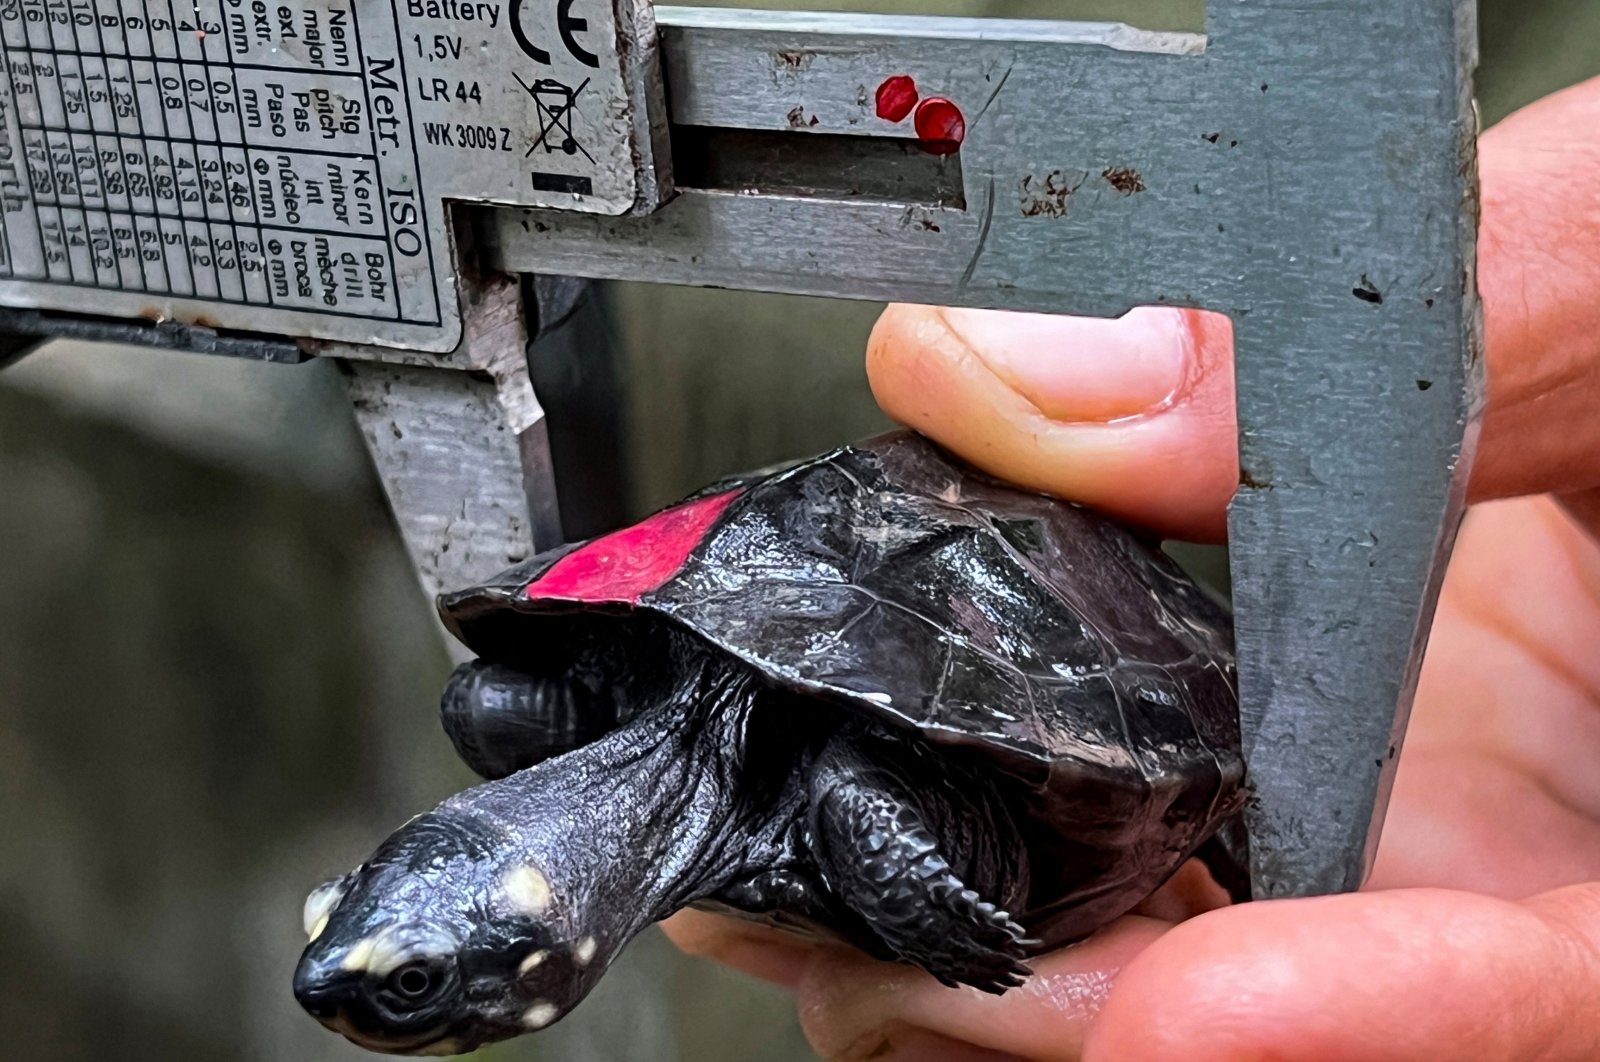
(1133, 416)
(1402, 976)
(1136, 416)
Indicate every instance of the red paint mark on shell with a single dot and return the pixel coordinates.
(940, 126)
(624, 565)
(896, 96)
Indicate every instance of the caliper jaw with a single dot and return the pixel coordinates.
(464, 451)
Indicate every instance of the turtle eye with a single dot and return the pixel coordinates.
(415, 981)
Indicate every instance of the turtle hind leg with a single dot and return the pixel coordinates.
(872, 840)
(502, 720)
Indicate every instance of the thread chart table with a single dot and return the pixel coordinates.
(285, 166)
(224, 151)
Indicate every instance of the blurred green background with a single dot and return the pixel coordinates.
(217, 676)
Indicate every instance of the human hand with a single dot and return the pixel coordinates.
(1479, 933)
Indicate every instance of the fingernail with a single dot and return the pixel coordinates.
(1080, 369)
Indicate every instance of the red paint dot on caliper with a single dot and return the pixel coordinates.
(896, 97)
(940, 126)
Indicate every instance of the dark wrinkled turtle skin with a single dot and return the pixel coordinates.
(875, 695)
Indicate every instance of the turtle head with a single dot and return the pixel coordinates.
(447, 938)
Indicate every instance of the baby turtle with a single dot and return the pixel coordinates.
(875, 695)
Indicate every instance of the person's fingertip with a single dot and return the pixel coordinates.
(846, 1001)
(769, 954)
(1053, 414)
(896, 1042)
(1573, 911)
(1078, 370)
(1387, 976)
(778, 963)
(845, 998)
(1190, 892)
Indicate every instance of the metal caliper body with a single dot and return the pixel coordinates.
(374, 181)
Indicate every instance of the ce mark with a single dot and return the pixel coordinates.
(567, 24)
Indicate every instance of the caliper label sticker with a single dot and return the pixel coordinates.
(529, 99)
(282, 165)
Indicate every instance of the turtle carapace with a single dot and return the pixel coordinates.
(875, 695)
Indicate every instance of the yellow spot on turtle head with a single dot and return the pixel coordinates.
(527, 888)
(585, 950)
(380, 954)
(359, 957)
(319, 905)
(532, 962)
(539, 1015)
(387, 956)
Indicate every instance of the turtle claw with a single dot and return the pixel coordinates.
(880, 858)
(1006, 974)
(967, 942)
(1000, 985)
(924, 914)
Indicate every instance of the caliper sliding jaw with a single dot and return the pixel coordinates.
(1308, 169)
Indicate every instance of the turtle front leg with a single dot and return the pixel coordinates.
(927, 864)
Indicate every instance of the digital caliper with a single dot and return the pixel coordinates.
(409, 185)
